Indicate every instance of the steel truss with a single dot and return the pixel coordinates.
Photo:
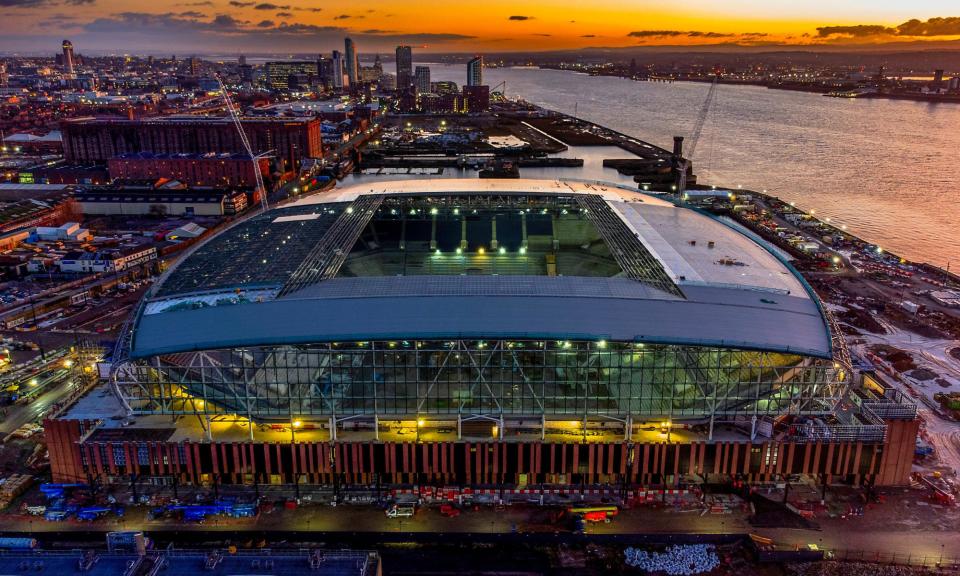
(468, 379)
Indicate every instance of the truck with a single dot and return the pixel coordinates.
(401, 511)
(594, 513)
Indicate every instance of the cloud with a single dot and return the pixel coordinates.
(198, 4)
(589, 36)
(79, 2)
(858, 31)
(520, 18)
(270, 6)
(654, 33)
(158, 32)
(544, 35)
(239, 4)
(696, 34)
(20, 3)
(308, 9)
(192, 14)
(341, 17)
(284, 15)
(932, 27)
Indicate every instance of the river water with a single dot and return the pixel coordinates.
(887, 169)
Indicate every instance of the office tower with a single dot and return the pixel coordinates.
(279, 73)
(351, 64)
(404, 67)
(422, 79)
(242, 60)
(475, 71)
(4, 77)
(68, 57)
(338, 71)
(194, 66)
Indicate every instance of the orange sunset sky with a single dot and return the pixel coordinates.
(222, 26)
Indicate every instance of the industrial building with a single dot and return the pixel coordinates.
(483, 332)
(289, 139)
(223, 170)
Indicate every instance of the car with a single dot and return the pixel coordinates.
(449, 511)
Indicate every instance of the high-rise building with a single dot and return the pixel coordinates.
(242, 60)
(4, 77)
(338, 70)
(352, 64)
(246, 73)
(194, 66)
(279, 73)
(404, 67)
(68, 56)
(422, 79)
(938, 78)
(475, 71)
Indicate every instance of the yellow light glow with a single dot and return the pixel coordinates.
(420, 422)
(297, 423)
(67, 363)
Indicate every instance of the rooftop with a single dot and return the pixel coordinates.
(486, 259)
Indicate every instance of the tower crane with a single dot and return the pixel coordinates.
(683, 163)
(235, 116)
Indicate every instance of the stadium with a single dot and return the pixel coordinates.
(478, 332)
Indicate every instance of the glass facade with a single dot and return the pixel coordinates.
(573, 379)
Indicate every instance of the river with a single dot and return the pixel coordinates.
(887, 169)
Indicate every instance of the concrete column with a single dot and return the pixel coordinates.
(493, 233)
(376, 427)
(554, 242)
(523, 230)
(403, 234)
(333, 429)
(628, 428)
(459, 427)
(433, 233)
(463, 233)
(543, 427)
(500, 429)
(710, 435)
(209, 429)
(753, 427)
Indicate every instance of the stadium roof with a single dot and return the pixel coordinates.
(626, 266)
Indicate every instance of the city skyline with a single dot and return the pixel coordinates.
(215, 26)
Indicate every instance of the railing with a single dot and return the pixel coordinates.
(895, 558)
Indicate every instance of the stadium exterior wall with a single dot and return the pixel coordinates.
(483, 463)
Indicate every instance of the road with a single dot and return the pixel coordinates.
(517, 523)
(19, 414)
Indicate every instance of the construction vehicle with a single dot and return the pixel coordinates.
(683, 162)
(235, 116)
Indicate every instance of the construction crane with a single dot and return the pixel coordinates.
(235, 116)
(683, 163)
